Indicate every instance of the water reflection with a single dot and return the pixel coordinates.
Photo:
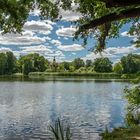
(90, 105)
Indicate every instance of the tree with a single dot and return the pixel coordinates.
(77, 63)
(14, 13)
(88, 63)
(32, 63)
(11, 63)
(118, 68)
(66, 65)
(39, 62)
(7, 63)
(3, 61)
(27, 66)
(101, 19)
(102, 65)
(72, 69)
(135, 30)
(133, 97)
(130, 63)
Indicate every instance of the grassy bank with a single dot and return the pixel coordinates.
(133, 77)
(122, 134)
(94, 75)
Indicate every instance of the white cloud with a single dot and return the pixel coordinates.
(41, 49)
(70, 15)
(58, 55)
(126, 34)
(73, 47)
(56, 42)
(38, 26)
(120, 50)
(67, 15)
(48, 38)
(66, 32)
(112, 52)
(26, 38)
(3, 50)
(93, 55)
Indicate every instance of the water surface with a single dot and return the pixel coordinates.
(89, 105)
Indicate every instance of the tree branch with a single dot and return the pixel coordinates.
(130, 13)
(121, 3)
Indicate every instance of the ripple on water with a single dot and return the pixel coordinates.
(29, 107)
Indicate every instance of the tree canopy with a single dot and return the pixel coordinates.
(7, 63)
(131, 63)
(32, 63)
(102, 65)
(100, 19)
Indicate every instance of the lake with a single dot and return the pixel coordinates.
(28, 107)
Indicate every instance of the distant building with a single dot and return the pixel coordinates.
(53, 65)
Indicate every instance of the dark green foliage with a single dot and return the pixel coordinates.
(93, 10)
(130, 63)
(7, 63)
(102, 65)
(11, 63)
(88, 63)
(14, 13)
(133, 97)
(36, 63)
(32, 63)
(135, 30)
(3, 61)
(131, 119)
(78, 63)
(66, 65)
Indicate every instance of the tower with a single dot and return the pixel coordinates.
(54, 61)
(54, 64)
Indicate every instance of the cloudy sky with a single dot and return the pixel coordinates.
(49, 38)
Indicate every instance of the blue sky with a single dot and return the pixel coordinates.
(56, 39)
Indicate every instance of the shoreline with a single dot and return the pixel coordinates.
(68, 76)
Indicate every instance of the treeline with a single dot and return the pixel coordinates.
(9, 64)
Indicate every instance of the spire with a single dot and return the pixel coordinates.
(54, 59)
(54, 62)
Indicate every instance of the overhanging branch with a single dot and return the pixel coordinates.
(130, 13)
(121, 3)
